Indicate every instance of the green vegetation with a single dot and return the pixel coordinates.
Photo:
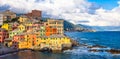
(12, 20)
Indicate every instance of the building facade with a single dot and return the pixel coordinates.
(58, 24)
(8, 15)
(7, 26)
(21, 27)
(54, 42)
(42, 30)
(50, 31)
(14, 32)
(19, 41)
(1, 19)
(22, 18)
(3, 35)
(30, 38)
(17, 38)
(35, 14)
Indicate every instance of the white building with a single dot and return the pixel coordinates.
(1, 19)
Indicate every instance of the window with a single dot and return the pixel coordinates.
(39, 44)
(37, 40)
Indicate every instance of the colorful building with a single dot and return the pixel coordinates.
(18, 37)
(21, 27)
(30, 38)
(36, 26)
(8, 15)
(3, 35)
(14, 32)
(8, 42)
(23, 45)
(19, 41)
(14, 25)
(53, 42)
(22, 18)
(24, 41)
(7, 26)
(42, 30)
(58, 24)
(30, 32)
(1, 19)
(50, 31)
(28, 24)
(10, 26)
(39, 31)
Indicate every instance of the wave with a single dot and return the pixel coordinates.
(77, 50)
(84, 39)
(85, 51)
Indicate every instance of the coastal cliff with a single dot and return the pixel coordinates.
(68, 26)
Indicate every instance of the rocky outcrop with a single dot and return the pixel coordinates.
(74, 43)
(98, 48)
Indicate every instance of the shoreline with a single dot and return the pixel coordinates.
(6, 51)
(74, 44)
(12, 51)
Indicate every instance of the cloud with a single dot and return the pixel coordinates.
(71, 10)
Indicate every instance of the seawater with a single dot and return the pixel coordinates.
(108, 38)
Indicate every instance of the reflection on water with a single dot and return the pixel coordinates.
(34, 55)
(79, 54)
(25, 55)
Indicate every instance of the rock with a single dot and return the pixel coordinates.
(113, 51)
(95, 50)
(74, 43)
(96, 46)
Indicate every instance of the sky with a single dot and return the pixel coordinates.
(87, 12)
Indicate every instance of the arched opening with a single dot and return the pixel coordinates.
(6, 44)
(65, 47)
(46, 49)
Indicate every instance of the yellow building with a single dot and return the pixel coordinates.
(28, 23)
(58, 24)
(23, 45)
(21, 27)
(7, 26)
(23, 18)
(8, 42)
(53, 42)
(30, 38)
(24, 40)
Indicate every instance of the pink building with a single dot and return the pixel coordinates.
(36, 26)
(16, 39)
(3, 35)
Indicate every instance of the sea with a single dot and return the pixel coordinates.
(109, 39)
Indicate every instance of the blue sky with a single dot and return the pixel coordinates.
(88, 12)
(106, 4)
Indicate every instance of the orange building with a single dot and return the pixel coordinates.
(58, 24)
(31, 39)
(49, 31)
